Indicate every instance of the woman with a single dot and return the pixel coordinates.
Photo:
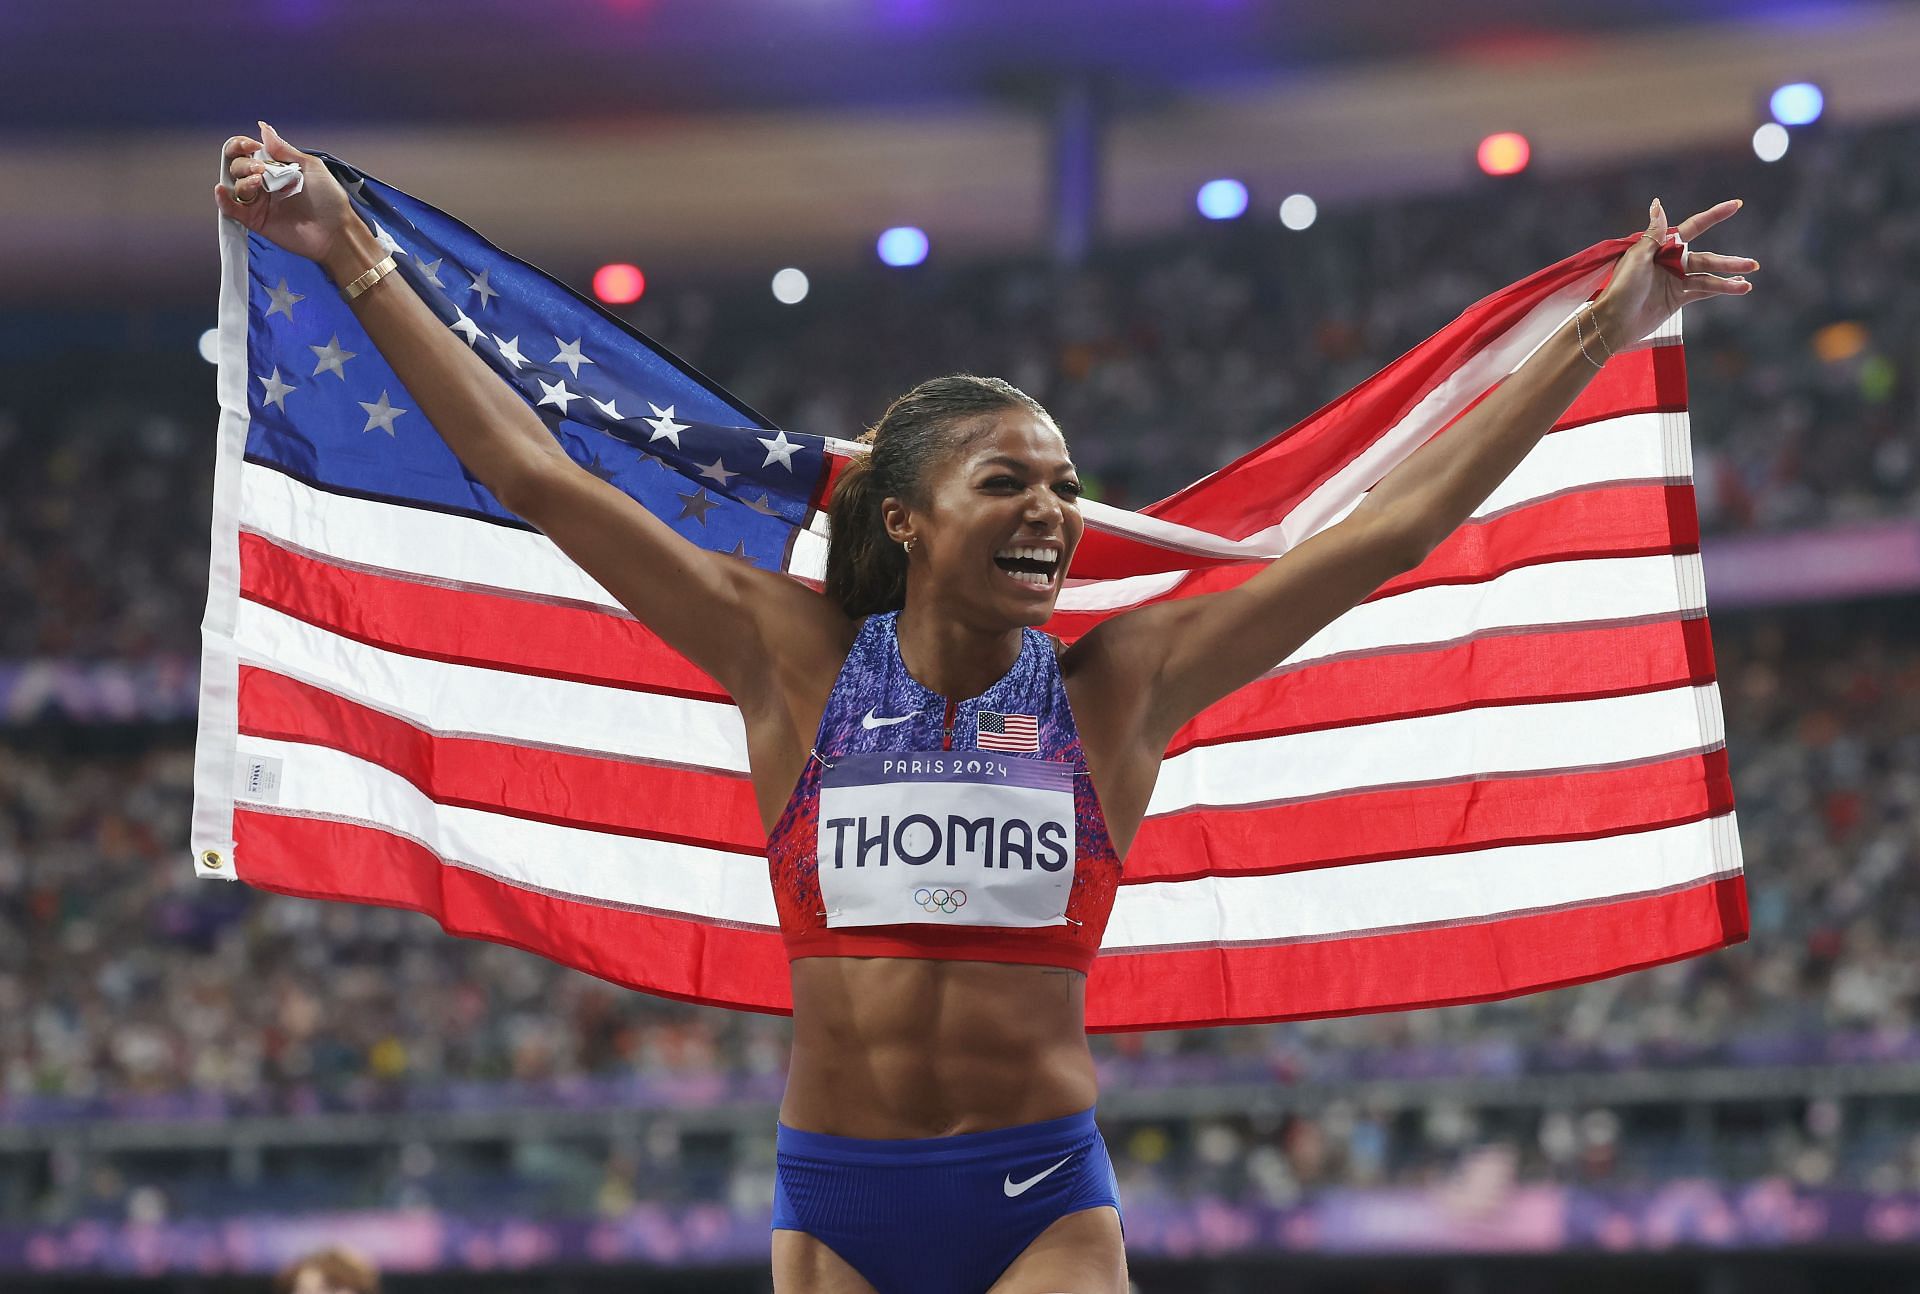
(937, 1129)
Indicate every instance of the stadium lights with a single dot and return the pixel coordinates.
(1770, 142)
(1222, 199)
(1798, 104)
(209, 344)
(1505, 153)
(903, 245)
(619, 284)
(1298, 211)
(790, 286)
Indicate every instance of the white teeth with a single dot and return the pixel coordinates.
(1048, 555)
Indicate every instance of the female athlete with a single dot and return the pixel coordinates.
(937, 1131)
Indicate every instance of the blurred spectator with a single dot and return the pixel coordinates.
(328, 1271)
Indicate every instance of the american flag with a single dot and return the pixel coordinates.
(1502, 772)
(1017, 732)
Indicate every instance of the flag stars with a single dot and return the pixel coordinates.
(510, 350)
(465, 326)
(556, 395)
(779, 450)
(332, 358)
(717, 472)
(380, 415)
(763, 507)
(430, 271)
(696, 505)
(276, 393)
(486, 290)
(599, 468)
(385, 239)
(570, 355)
(664, 427)
(608, 408)
(283, 300)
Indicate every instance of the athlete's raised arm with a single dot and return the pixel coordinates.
(728, 617)
(1179, 657)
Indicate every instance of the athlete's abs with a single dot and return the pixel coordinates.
(906, 1047)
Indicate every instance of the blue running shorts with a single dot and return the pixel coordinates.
(939, 1215)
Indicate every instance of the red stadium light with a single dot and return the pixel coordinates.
(619, 285)
(1505, 153)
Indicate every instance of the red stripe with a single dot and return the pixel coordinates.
(675, 957)
(1496, 669)
(1443, 818)
(624, 797)
(1263, 486)
(467, 626)
(1636, 520)
(1414, 968)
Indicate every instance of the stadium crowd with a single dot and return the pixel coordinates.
(122, 978)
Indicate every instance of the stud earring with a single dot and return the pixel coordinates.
(906, 546)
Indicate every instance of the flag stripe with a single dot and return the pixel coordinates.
(565, 787)
(1415, 968)
(660, 876)
(699, 961)
(1440, 817)
(1430, 888)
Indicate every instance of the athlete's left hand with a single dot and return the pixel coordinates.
(1642, 294)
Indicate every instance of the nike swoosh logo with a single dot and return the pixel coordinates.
(1013, 1188)
(869, 720)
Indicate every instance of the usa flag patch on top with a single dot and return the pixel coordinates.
(1016, 732)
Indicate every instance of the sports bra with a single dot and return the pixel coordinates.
(932, 828)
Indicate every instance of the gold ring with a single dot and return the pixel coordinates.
(244, 202)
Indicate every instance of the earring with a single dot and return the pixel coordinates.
(906, 546)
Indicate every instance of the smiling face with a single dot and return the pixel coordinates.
(999, 523)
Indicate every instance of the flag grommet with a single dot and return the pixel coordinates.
(212, 858)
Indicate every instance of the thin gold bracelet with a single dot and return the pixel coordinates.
(371, 277)
(1583, 341)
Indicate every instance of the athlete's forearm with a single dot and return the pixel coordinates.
(482, 419)
(1439, 485)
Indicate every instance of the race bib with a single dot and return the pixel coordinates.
(950, 837)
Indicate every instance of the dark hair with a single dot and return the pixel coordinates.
(343, 1269)
(866, 571)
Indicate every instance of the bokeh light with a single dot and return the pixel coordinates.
(790, 286)
(903, 245)
(1798, 104)
(619, 284)
(1505, 153)
(1222, 199)
(1770, 142)
(209, 342)
(1299, 211)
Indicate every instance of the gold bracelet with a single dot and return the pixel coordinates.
(1593, 317)
(1583, 343)
(371, 277)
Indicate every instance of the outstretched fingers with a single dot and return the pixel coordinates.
(1695, 225)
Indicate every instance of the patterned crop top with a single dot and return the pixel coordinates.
(949, 830)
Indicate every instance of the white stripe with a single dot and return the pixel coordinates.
(433, 544)
(710, 883)
(1417, 891)
(1634, 447)
(496, 703)
(1488, 740)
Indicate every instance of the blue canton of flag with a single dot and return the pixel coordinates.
(328, 410)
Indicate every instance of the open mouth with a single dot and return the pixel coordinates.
(1033, 566)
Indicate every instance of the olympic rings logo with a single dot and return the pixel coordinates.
(941, 900)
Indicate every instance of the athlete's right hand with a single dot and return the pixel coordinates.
(307, 224)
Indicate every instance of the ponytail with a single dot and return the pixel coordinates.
(867, 571)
